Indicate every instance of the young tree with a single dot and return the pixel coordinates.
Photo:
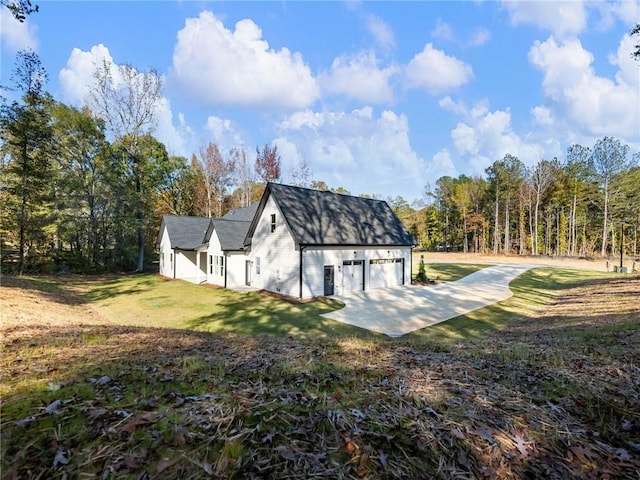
(609, 157)
(217, 173)
(26, 136)
(127, 100)
(576, 172)
(268, 163)
(245, 176)
(541, 177)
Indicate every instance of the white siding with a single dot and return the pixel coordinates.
(214, 250)
(314, 260)
(236, 262)
(186, 266)
(276, 254)
(166, 255)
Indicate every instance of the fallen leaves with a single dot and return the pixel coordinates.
(520, 404)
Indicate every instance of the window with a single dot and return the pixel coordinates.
(211, 264)
(257, 265)
(273, 222)
(219, 263)
(171, 260)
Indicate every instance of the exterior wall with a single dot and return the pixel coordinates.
(235, 264)
(166, 255)
(315, 259)
(186, 266)
(214, 249)
(275, 256)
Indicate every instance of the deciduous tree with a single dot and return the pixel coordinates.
(127, 100)
(268, 163)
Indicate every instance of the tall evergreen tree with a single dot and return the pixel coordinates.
(26, 134)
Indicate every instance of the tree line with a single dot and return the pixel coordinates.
(84, 189)
(584, 204)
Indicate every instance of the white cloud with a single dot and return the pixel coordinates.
(542, 115)
(441, 165)
(381, 32)
(436, 72)
(15, 35)
(360, 78)
(487, 136)
(591, 104)
(77, 79)
(223, 133)
(627, 12)
(356, 150)
(220, 66)
(442, 31)
(476, 38)
(480, 36)
(565, 19)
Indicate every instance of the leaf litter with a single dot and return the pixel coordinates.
(555, 396)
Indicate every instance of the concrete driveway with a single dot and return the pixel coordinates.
(397, 311)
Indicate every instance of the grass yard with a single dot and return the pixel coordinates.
(543, 385)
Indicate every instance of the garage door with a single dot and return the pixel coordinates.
(386, 272)
(352, 275)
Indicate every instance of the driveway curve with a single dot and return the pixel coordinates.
(400, 310)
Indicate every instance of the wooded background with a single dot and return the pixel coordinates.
(84, 190)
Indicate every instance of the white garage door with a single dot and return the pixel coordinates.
(352, 275)
(386, 272)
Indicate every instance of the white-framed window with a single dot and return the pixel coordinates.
(257, 263)
(211, 264)
(219, 264)
(273, 222)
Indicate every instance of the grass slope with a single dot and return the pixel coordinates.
(548, 387)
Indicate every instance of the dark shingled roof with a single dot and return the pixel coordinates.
(326, 218)
(185, 233)
(231, 233)
(242, 214)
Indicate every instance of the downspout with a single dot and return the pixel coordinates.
(301, 270)
(225, 270)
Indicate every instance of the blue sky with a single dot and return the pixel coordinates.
(377, 97)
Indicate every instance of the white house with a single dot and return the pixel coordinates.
(296, 241)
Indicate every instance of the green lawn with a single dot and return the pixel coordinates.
(448, 272)
(150, 301)
(531, 292)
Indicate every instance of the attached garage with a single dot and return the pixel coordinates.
(386, 272)
(352, 275)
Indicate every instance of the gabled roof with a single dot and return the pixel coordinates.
(231, 233)
(185, 233)
(326, 218)
(242, 214)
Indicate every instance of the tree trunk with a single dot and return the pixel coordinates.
(139, 216)
(507, 229)
(603, 250)
(496, 228)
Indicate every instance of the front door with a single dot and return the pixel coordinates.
(247, 270)
(328, 280)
